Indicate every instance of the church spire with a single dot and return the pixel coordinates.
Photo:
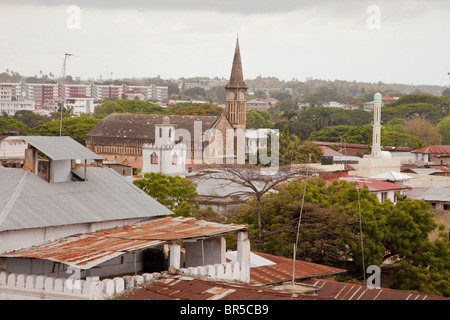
(237, 77)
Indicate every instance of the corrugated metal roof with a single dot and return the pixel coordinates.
(60, 148)
(427, 171)
(141, 126)
(429, 193)
(391, 176)
(374, 185)
(187, 288)
(280, 270)
(88, 250)
(105, 196)
(438, 149)
(347, 291)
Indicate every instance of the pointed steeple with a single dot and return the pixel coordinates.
(237, 77)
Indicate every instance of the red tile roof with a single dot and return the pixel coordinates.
(373, 185)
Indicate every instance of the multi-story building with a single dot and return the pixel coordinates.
(80, 104)
(10, 104)
(17, 89)
(45, 94)
(71, 90)
(160, 93)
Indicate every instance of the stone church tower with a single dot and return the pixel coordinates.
(236, 100)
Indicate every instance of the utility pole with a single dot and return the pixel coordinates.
(63, 90)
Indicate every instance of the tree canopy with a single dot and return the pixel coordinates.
(329, 232)
(10, 124)
(127, 106)
(76, 128)
(175, 192)
(257, 119)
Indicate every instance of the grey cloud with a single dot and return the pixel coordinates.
(226, 6)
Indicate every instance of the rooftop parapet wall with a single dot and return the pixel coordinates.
(14, 286)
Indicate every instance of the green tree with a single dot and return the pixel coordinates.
(127, 106)
(359, 135)
(443, 128)
(330, 133)
(76, 128)
(428, 111)
(195, 92)
(423, 129)
(204, 109)
(10, 124)
(329, 232)
(308, 152)
(30, 118)
(176, 193)
(257, 119)
(398, 139)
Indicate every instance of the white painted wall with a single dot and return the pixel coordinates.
(62, 171)
(18, 239)
(205, 252)
(12, 148)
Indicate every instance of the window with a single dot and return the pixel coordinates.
(170, 132)
(160, 132)
(174, 159)
(154, 158)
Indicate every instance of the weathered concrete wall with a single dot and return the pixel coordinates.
(204, 252)
(18, 239)
(15, 286)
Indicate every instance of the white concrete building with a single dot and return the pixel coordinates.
(63, 225)
(12, 147)
(379, 161)
(80, 104)
(164, 156)
(10, 104)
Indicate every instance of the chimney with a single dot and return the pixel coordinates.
(30, 160)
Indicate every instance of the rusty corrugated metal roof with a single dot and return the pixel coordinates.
(187, 288)
(88, 250)
(281, 270)
(348, 291)
(436, 149)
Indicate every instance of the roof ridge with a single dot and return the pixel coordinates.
(14, 196)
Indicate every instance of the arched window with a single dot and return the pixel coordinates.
(174, 159)
(170, 132)
(154, 158)
(160, 132)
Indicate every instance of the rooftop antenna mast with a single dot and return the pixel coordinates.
(298, 226)
(361, 237)
(63, 90)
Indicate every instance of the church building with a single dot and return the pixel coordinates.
(121, 137)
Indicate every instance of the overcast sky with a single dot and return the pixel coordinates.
(405, 41)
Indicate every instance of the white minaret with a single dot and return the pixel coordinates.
(376, 144)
